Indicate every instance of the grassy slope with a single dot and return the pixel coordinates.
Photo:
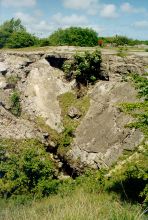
(78, 205)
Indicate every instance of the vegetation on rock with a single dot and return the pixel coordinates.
(15, 103)
(84, 68)
(66, 101)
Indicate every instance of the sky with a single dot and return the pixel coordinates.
(106, 17)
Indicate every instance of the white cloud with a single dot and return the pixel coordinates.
(109, 11)
(141, 24)
(73, 19)
(18, 3)
(34, 24)
(42, 28)
(79, 4)
(128, 8)
(92, 7)
(98, 29)
(25, 18)
(89, 6)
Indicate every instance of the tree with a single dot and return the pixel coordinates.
(12, 25)
(8, 28)
(21, 39)
(74, 36)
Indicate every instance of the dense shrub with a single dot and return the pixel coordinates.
(44, 42)
(25, 168)
(84, 67)
(74, 36)
(14, 35)
(20, 40)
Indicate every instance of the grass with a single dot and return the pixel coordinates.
(40, 122)
(69, 99)
(66, 101)
(79, 205)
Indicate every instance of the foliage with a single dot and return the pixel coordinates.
(3, 38)
(8, 28)
(120, 40)
(21, 39)
(84, 67)
(74, 36)
(139, 110)
(25, 168)
(131, 179)
(44, 42)
(15, 103)
(12, 25)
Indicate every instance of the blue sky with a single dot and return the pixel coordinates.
(107, 17)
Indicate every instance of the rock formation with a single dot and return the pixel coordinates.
(101, 135)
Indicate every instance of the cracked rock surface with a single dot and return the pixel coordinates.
(101, 137)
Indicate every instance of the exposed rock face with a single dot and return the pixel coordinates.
(116, 67)
(40, 91)
(101, 136)
(12, 127)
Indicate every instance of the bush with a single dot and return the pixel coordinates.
(84, 67)
(74, 36)
(15, 104)
(26, 169)
(21, 39)
(44, 42)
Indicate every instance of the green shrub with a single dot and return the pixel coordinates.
(44, 42)
(21, 39)
(74, 36)
(15, 104)
(26, 168)
(84, 68)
